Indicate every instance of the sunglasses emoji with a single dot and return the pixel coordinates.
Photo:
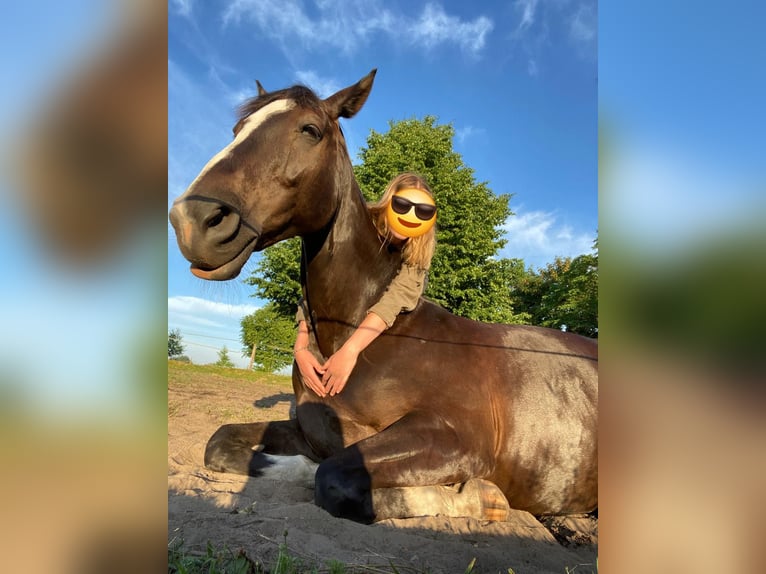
(411, 213)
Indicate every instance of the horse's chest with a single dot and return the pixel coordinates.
(331, 426)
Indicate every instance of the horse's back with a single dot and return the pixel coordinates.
(529, 345)
(535, 388)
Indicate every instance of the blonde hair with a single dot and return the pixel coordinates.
(418, 251)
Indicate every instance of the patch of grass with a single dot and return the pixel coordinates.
(584, 568)
(224, 561)
(212, 561)
(225, 395)
(178, 369)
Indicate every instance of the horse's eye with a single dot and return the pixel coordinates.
(312, 130)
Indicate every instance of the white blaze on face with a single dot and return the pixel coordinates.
(251, 124)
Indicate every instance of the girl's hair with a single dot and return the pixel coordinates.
(418, 251)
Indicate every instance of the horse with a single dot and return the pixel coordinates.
(93, 161)
(438, 407)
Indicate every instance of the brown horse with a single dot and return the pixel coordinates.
(437, 399)
(93, 163)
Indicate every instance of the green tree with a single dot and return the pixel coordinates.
(466, 277)
(564, 293)
(277, 277)
(175, 344)
(223, 358)
(272, 334)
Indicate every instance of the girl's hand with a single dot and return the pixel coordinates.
(311, 371)
(338, 369)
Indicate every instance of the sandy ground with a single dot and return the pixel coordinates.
(257, 515)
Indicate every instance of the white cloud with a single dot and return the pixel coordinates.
(528, 9)
(348, 25)
(542, 25)
(206, 326)
(186, 305)
(435, 27)
(182, 7)
(323, 87)
(538, 238)
(584, 24)
(464, 133)
(531, 33)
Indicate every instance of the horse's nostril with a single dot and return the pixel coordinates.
(215, 218)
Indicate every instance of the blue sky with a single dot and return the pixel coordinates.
(682, 94)
(517, 80)
(69, 335)
(682, 91)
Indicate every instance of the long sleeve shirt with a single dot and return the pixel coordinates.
(401, 295)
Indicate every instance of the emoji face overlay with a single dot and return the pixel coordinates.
(411, 212)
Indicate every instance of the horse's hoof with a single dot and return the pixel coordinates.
(493, 504)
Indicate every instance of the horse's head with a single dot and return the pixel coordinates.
(278, 178)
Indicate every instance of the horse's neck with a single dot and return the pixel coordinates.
(346, 269)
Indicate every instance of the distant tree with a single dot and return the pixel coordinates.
(277, 277)
(223, 358)
(273, 336)
(175, 344)
(564, 294)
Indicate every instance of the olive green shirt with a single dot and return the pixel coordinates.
(401, 295)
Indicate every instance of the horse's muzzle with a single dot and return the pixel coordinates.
(211, 236)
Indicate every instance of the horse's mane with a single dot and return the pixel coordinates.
(302, 95)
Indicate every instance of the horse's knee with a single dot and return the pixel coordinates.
(344, 491)
(218, 449)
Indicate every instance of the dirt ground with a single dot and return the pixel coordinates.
(257, 515)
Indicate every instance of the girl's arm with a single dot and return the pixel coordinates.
(402, 295)
(310, 369)
(338, 368)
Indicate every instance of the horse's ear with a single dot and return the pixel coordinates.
(261, 90)
(347, 102)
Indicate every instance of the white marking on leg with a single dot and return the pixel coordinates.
(295, 469)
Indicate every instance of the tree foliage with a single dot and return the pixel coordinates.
(277, 277)
(272, 334)
(175, 344)
(467, 277)
(564, 295)
(223, 358)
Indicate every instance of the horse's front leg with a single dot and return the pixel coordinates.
(402, 472)
(274, 449)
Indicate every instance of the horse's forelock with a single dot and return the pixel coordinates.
(302, 96)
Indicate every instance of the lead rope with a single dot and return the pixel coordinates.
(304, 281)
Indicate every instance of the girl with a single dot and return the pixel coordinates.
(404, 217)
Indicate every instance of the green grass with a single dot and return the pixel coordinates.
(178, 368)
(212, 561)
(225, 561)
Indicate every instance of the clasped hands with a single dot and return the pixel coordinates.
(328, 378)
